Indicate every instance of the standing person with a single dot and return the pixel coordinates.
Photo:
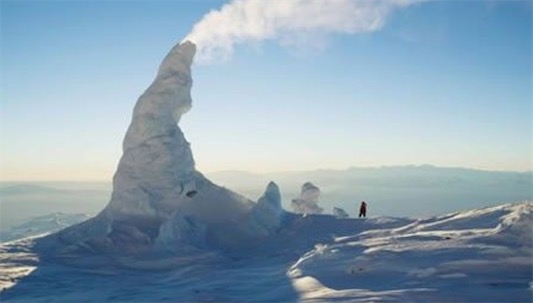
(362, 210)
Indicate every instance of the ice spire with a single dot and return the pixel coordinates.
(159, 200)
(156, 172)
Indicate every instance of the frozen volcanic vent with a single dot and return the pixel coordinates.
(160, 201)
(307, 202)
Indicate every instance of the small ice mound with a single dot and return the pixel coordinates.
(340, 213)
(267, 214)
(307, 202)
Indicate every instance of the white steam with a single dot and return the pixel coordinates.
(287, 21)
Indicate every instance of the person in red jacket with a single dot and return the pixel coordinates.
(362, 210)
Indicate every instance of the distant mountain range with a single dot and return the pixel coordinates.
(25, 188)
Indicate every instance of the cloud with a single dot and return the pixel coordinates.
(288, 22)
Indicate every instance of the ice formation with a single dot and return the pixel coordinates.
(307, 202)
(340, 213)
(268, 213)
(159, 200)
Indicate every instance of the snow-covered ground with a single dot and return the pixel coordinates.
(482, 255)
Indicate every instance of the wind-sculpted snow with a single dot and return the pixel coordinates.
(458, 257)
(475, 256)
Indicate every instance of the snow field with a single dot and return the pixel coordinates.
(476, 256)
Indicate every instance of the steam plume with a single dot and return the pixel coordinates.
(244, 21)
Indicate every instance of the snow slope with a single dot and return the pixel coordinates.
(483, 255)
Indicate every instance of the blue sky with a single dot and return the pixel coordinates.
(447, 83)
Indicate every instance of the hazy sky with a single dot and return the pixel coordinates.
(447, 83)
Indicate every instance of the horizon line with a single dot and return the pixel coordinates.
(287, 171)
